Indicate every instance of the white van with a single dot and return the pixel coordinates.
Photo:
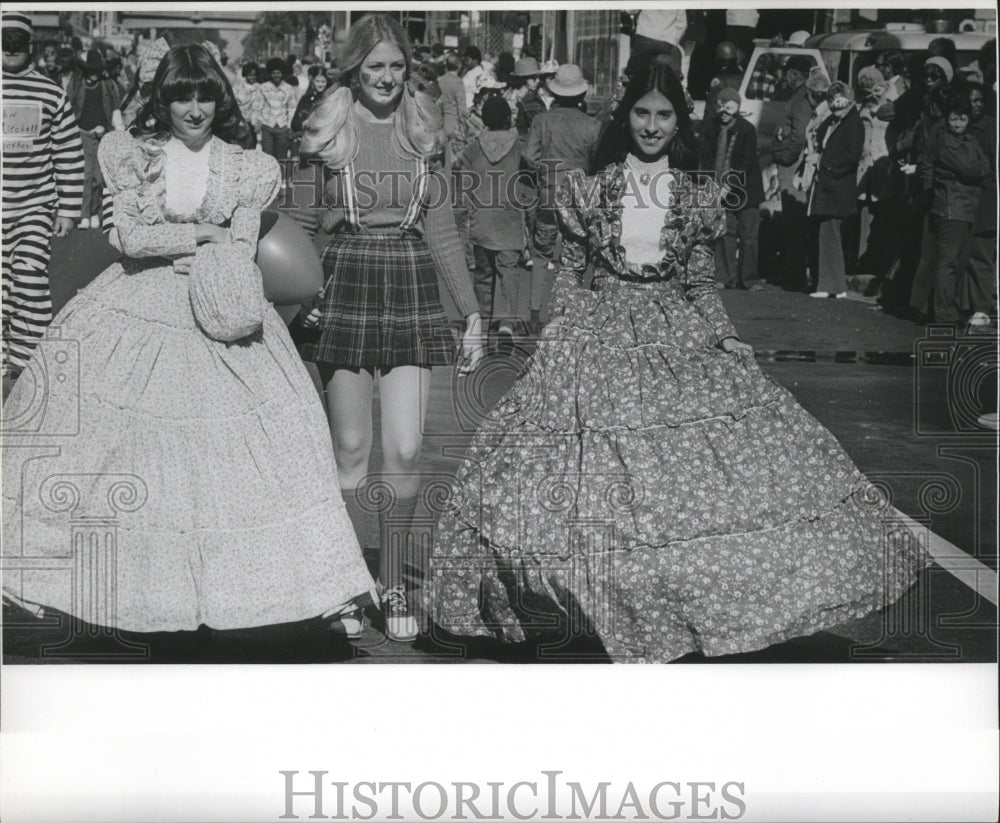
(841, 55)
(760, 105)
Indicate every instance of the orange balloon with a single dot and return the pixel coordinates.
(288, 260)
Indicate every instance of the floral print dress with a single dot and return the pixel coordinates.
(206, 466)
(638, 476)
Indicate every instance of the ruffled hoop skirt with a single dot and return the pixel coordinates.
(156, 479)
(668, 492)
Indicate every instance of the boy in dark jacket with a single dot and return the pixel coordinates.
(729, 147)
(94, 98)
(492, 162)
(952, 169)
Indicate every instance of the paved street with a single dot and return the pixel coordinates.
(905, 416)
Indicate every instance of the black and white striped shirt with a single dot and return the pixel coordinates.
(42, 150)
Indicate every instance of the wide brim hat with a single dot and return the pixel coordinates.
(568, 81)
(94, 61)
(527, 67)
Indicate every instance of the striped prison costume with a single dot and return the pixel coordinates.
(42, 180)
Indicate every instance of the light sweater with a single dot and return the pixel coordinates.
(383, 180)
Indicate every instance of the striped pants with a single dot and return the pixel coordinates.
(27, 304)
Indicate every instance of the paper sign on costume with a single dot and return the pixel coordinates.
(22, 122)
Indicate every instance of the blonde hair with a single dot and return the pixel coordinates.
(367, 34)
(331, 130)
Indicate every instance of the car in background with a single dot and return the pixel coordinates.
(762, 89)
(845, 53)
(840, 55)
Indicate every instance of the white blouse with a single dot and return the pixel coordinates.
(186, 175)
(644, 209)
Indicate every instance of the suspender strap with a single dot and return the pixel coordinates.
(350, 195)
(417, 201)
(414, 210)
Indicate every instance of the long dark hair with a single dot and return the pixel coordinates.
(616, 139)
(191, 71)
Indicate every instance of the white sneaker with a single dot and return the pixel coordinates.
(84, 223)
(820, 294)
(400, 625)
(95, 222)
(840, 295)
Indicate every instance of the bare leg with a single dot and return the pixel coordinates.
(349, 409)
(403, 394)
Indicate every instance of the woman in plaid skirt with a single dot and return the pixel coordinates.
(380, 313)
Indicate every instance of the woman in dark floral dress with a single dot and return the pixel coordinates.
(644, 474)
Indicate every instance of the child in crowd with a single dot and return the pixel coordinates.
(42, 190)
(559, 140)
(492, 162)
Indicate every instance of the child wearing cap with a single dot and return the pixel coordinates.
(491, 163)
(42, 190)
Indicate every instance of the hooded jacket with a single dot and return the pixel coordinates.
(489, 167)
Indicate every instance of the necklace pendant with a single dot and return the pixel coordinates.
(644, 179)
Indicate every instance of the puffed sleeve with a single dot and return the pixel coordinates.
(705, 224)
(574, 204)
(260, 181)
(139, 230)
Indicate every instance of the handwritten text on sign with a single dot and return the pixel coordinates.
(22, 122)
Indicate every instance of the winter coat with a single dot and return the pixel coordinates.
(742, 153)
(527, 107)
(953, 167)
(110, 96)
(985, 131)
(835, 190)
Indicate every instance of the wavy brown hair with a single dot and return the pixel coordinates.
(191, 71)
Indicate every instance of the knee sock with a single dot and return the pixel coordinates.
(394, 529)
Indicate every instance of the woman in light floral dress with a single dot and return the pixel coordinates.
(203, 465)
(644, 474)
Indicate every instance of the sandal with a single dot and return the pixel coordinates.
(346, 621)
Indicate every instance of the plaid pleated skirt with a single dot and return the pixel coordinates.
(381, 306)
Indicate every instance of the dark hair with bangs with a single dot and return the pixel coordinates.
(191, 71)
(616, 139)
